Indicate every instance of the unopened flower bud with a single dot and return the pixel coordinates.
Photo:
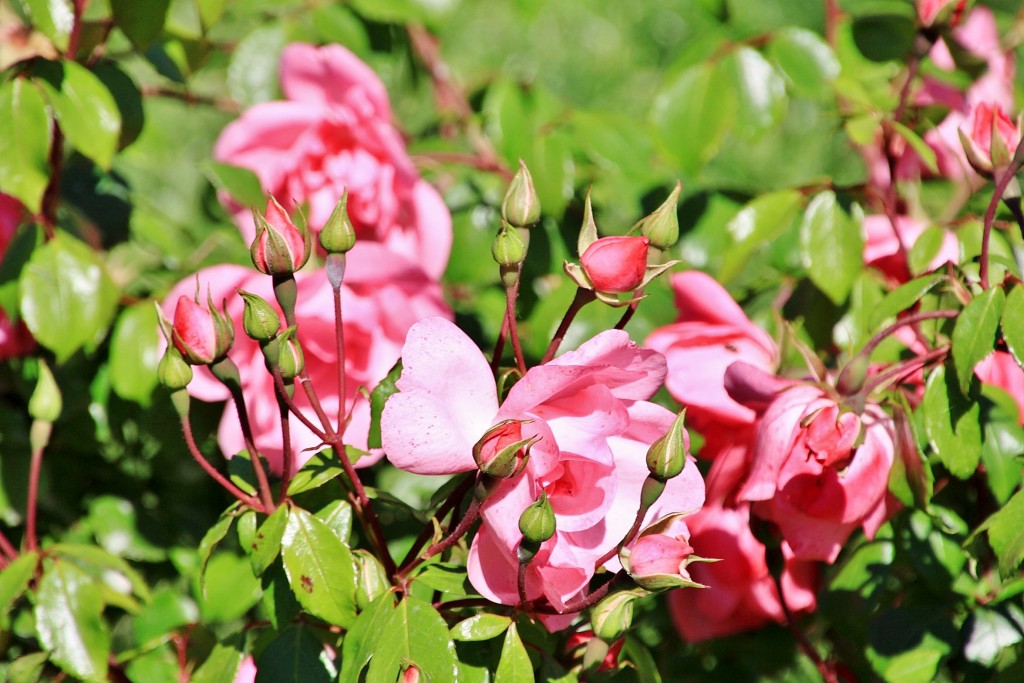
(508, 249)
(411, 674)
(371, 579)
(279, 248)
(521, 207)
(667, 456)
(537, 523)
(290, 360)
(502, 452)
(662, 226)
(613, 616)
(658, 559)
(993, 139)
(201, 333)
(46, 403)
(338, 235)
(259, 320)
(616, 264)
(173, 372)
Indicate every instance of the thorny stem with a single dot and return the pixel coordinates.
(463, 602)
(640, 514)
(453, 500)
(511, 294)
(627, 315)
(186, 429)
(339, 335)
(35, 467)
(468, 519)
(499, 346)
(247, 435)
(912, 319)
(282, 394)
(990, 212)
(587, 600)
(898, 372)
(7, 548)
(582, 298)
(224, 104)
(288, 464)
(314, 401)
(521, 581)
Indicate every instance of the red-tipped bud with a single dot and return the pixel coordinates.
(201, 333)
(411, 674)
(502, 451)
(616, 264)
(279, 248)
(994, 138)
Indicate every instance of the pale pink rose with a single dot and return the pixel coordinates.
(335, 131)
(15, 339)
(382, 296)
(246, 672)
(810, 476)
(882, 245)
(711, 333)
(1000, 369)
(595, 425)
(741, 593)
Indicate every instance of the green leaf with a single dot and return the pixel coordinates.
(907, 643)
(1012, 323)
(229, 588)
(252, 72)
(925, 249)
(989, 631)
(14, 579)
(67, 299)
(294, 656)
(974, 335)
(158, 665)
(241, 183)
(142, 22)
(758, 223)
(337, 515)
(318, 470)
(267, 542)
(361, 642)
(831, 247)
(806, 61)
(135, 353)
(27, 669)
(85, 109)
(25, 144)
(902, 298)
(53, 18)
(951, 421)
(482, 626)
(169, 610)
(1006, 534)
(210, 11)
(104, 561)
(114, 522)
(515, 665)
(221, 665)
(211, 538)
(415, 634)
(761, 92)
(381, 393)
(69, 621)
(320, 568)
(279, 602)
(449, 579)
(920, 147)
(693, 113)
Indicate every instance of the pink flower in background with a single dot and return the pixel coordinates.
(15, 339)
(929, 10)
(1000, 369)
(383, 296)
(246, 672)
(882, 246)
(711, 333)
(335, 131)
(741, 593)
(595, 425)
(818, 471)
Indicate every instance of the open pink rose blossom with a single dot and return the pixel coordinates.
(589, 407)
(383, 296)
(335, 131)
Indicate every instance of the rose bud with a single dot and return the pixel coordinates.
(201, 333)
(616, 264)
(502, 451)
(279, 248)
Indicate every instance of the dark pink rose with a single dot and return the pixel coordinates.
(201, 334)
(334, 130)
(616, 264)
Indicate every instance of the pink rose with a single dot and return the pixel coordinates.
(589, 409)
(382, 296)
(815, 482)
(929, 10)
(711, 333)
(616, 264)
(246, 672)
(662, 556)
(279, 247)
(15, 339)
(1000, 369)
(882, 246)
(200, 332)
(993, 138)
(335, 131)
(741, 593)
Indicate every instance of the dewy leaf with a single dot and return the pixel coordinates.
(320, 568)
(142, 22)
(294, 656)
(221, 665)
(53, 18)
(951, 421)
(86, 111)
(831, 247)
(415, 634)
(25, 142)
(480, 627)
(515, 665)
(902, 298)
(15, 577)
(360, 642)
(1006, 534)
(67, 299)
(1012, 323)
(974, 335)
(267, 542)
(135, 353)
(69, 621)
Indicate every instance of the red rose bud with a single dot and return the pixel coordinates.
(521, 207)
(200, 333)
(502, 451)
(616, 264)
(279, 248)
(411, 674)
(932, 12)
(994, 138)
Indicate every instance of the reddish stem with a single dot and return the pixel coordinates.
(582, 298)
(186, 428)
(990, 212)
(511, 294)
(339, 335)
(289, 454)
(35, 468)
(472, 514)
